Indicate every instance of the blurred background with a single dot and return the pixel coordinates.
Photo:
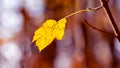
(81, 47)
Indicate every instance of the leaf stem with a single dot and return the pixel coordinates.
(84, 10)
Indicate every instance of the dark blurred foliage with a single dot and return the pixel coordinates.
(81, 47)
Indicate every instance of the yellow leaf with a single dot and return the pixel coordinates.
(48, 32)
(44, 41)
(47, 24)
(59, 29)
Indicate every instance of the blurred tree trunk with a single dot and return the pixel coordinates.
(79, 42)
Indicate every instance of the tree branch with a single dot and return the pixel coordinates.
(85, 22)
(111, 19)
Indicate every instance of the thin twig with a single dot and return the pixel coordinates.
(85, 22)
(111, 19)
(84, 10)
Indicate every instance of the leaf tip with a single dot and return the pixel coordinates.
(32, 40)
